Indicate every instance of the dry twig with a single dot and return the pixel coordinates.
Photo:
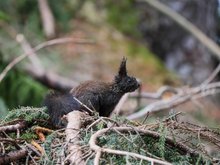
(74, 119)
(14, 127)
(12, 156)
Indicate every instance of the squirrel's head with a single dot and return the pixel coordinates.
(124, 82)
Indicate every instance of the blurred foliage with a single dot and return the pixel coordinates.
(123, 16)
(19, 89)
(24, 17)
(24, 14)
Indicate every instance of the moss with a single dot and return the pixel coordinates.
(123, 16)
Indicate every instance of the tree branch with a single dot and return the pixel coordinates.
(37, 48)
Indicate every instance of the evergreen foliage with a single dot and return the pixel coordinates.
(28, 114)
(18, 89)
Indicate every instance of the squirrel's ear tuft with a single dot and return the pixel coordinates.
(122, 70)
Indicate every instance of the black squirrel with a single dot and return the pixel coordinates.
(99, 96)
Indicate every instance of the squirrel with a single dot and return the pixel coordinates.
(101, 97)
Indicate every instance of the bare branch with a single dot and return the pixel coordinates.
(38, 47)
(36, 63)
(52, 80)
(212, 76)
(158, 95)
(184, 95)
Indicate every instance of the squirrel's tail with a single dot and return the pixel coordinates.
(59, 104)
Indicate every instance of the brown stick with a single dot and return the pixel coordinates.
(11, 128)
(13, 156)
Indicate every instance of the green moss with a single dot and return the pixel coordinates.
(123, 16)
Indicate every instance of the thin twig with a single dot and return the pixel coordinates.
(85, 106)
(212, 76)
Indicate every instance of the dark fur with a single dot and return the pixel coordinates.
(99, 96)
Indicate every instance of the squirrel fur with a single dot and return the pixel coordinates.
(99, 96)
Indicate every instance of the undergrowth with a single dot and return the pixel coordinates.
(56, 148)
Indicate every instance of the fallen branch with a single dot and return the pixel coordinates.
(74, 119)
(94, 138)
(35, 61)
(13, 156)
(212, 76)
(14, 127)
